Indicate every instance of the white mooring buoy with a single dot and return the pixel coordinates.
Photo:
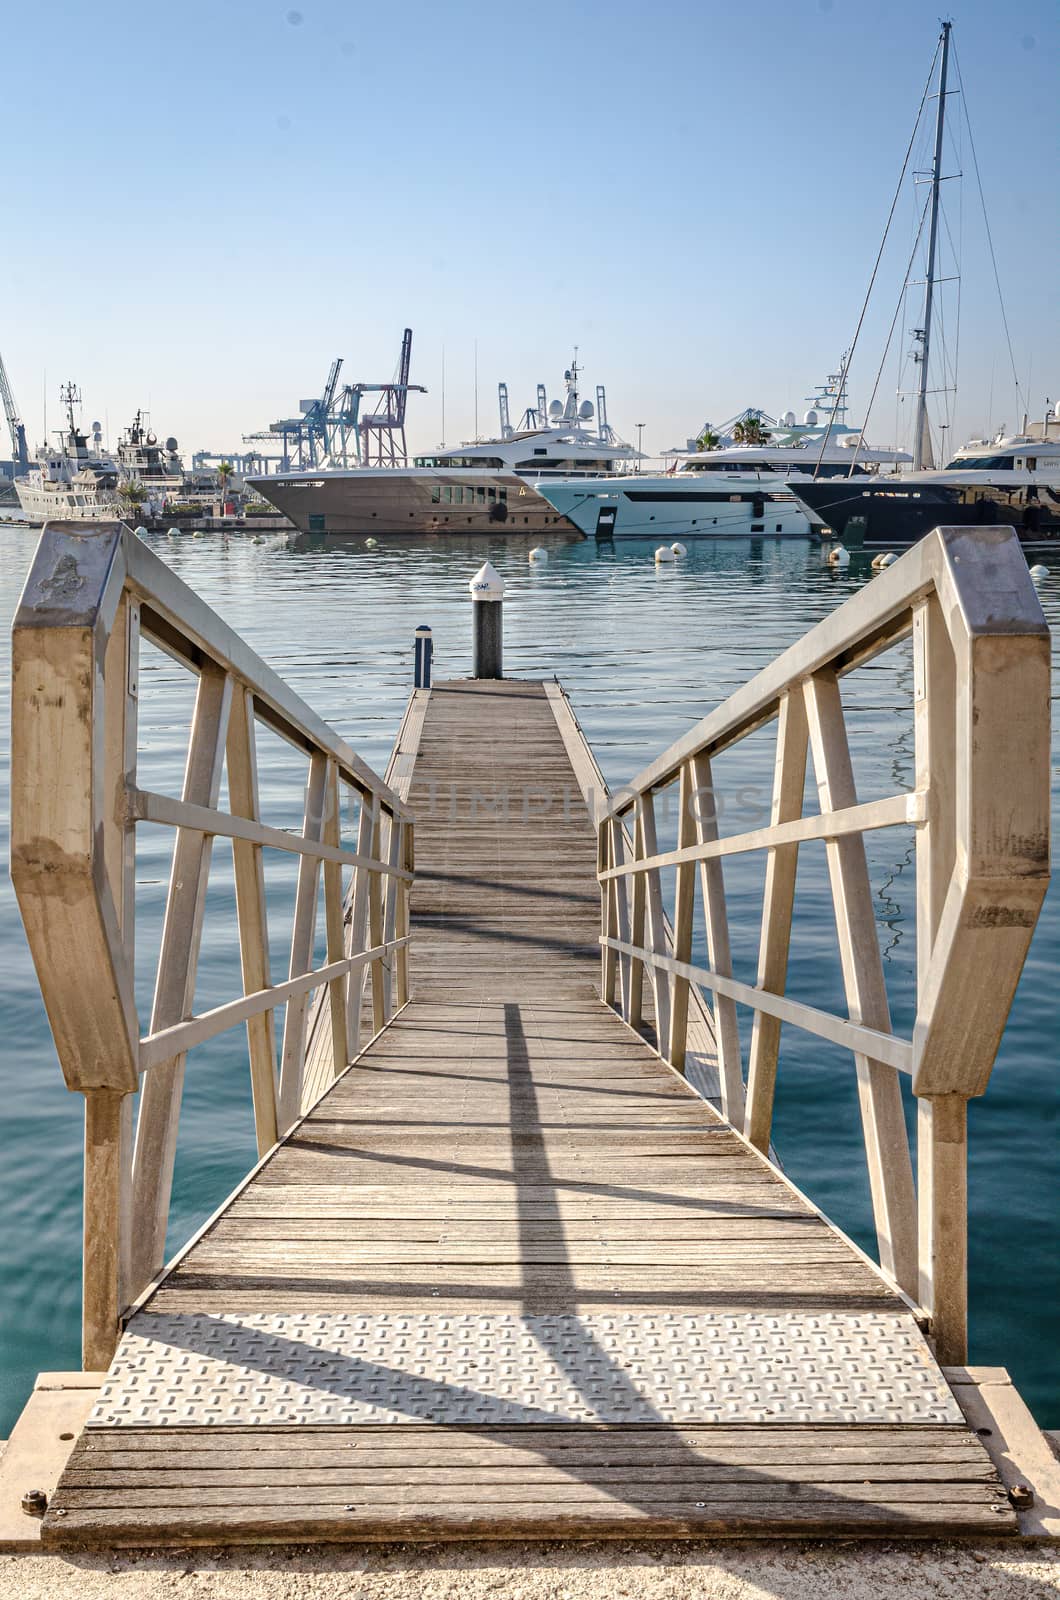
(370, 544)
(1038, 572)
(664, 553)
(171, 533)
(538, 554)
(886, 559)
(678, 548)
(141, 532)
(839, 556)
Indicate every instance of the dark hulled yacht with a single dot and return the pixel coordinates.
(1012, 481)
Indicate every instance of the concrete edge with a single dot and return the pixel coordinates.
(1021, 1452)
(39, 1448)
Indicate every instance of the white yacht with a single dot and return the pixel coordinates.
(154, 469)
(733, 483)
(74, 481)
(488, 486)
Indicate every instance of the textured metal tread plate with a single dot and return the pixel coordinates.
(271, 1369)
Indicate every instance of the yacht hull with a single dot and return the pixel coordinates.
(416, 502)
(65, 506)
(895, 515)
(664, 507)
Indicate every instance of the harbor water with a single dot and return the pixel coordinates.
(643, 653)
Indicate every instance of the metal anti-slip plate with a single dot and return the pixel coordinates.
(186, 1371)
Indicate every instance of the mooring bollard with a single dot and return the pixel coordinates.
(487, 594)
(424, 656)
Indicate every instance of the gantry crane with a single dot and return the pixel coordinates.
(15, 426)
(383, 432)
(331, 429)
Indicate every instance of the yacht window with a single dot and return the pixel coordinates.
(480, 496)
(436, 495)
(1032, 463)
(540, 452)
(979, 463)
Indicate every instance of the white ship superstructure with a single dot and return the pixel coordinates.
(153, 468)
(75, 480)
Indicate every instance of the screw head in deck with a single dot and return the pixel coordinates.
(1021, 1496)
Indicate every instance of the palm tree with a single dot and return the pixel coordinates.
(708, 439)
(750, 430)
(133, 493)
(224, 472)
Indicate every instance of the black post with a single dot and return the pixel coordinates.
(424, 656)
(488, 640)
(487, 607)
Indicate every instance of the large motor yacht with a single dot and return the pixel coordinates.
(1011, 481)
(75, 480)
(488, 486)
(156, 469)
(729, 490)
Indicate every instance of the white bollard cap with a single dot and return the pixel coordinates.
(487, 584)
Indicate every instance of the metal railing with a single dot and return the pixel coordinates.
(92, 594)
(980, 811)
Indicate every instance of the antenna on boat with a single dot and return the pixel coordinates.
(922, 432)
(476, 388)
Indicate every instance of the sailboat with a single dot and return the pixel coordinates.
(1012, 480)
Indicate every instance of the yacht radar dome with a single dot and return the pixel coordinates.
(585, 410)
(171, 443)
(810, 419)
(556, 408)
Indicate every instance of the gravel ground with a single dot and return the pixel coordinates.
(612, 1571)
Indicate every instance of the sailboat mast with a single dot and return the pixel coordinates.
(922, 437)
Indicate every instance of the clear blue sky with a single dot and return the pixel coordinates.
(203, 204)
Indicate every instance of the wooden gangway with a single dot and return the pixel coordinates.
(509, 1272)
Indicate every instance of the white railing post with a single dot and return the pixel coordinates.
(778, 900)
(178, 960)
(249, 872)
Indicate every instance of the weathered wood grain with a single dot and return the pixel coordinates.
(508, 1144)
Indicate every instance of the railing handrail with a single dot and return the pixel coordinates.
(180, 622)
(981, 715)
(869, 622)
(91, 594)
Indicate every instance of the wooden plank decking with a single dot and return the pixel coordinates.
(508, 1149)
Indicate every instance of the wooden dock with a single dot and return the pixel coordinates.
(510, 1274)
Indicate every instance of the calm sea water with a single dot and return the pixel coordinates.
(643, 654)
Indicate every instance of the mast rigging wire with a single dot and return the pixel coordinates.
(890, 336)
(1020, 402)
(876, 267)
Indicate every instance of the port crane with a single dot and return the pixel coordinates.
(382, 433)
(15, 425)
(330, 430)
